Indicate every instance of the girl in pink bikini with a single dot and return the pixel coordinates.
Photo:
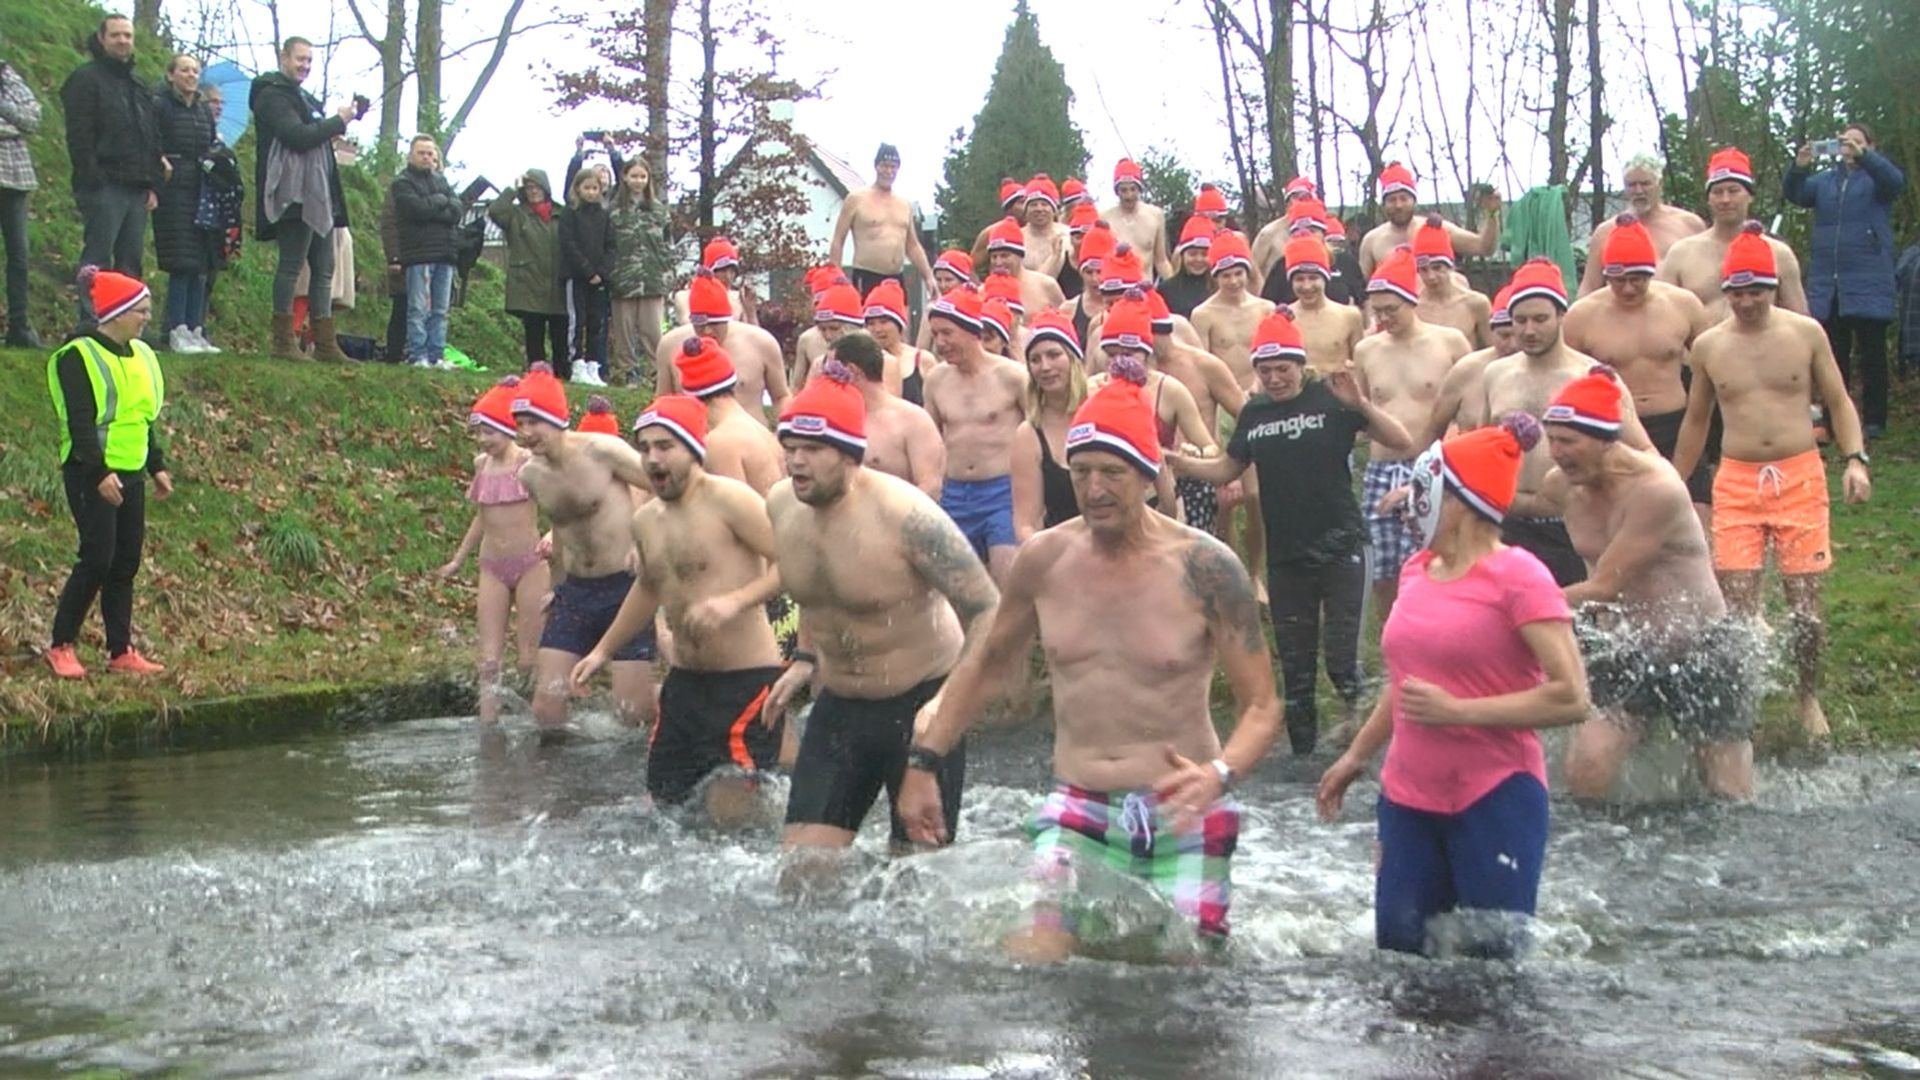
(506, 529)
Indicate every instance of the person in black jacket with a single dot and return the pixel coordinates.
(114, 147)
(427, 213)
(586, 253)
(186, 138)
(298, 195)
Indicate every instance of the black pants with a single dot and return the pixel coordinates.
(13, 222)
(594, 308)
(542, 330)
(110, 541)
(113, 221)
(397, 327)
(1866, 339)
(1316, 608)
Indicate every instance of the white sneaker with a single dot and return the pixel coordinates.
(599, 379)
(200, 335)
(180, 340)
(582, 374)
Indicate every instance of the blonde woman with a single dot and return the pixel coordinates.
(1056, 385)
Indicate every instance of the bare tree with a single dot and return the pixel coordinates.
(146, 16)
(1265, 35)
(1597, 120)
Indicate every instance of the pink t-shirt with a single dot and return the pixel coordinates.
(1464, 637)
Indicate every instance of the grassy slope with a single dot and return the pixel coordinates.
(363, 468)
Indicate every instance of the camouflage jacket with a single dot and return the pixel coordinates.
(643, 257)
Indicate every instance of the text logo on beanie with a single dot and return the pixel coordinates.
(1128, 324)
(1278, 338)
(1118, 419)
(1432, 244)
(1589, 404)
(704, 367)
(1196, 233)
(682, 416)
(541, 395)
(1227, 251)
(829, 410)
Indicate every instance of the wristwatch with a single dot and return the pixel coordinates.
(919, 757)
(1225, 772)
(1860, 456)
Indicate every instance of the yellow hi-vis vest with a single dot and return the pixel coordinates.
(127, 394)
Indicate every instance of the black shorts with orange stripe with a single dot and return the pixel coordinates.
(710, 720)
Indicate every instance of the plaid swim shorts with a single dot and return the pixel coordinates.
(1392, 538)
(1127, 832)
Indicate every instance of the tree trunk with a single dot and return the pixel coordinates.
(1226, 97)
(657, 27)
(1559, 15)
(393, 79)
(1282, 164)
(146, 17)
(426, 66)
(708, 136)
(1315, 127)
(1596, 114)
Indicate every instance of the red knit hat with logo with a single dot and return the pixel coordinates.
(1196, 233)
(1749, 260)
(1006, 235)
(1538, 277)
(1073, 192)
(1128, 324)
(1042, 187)
(541, 395)
(707, 299)
(1301, 187)
(1432, 243)
(840, 304)
(1502, 314)
(1731, 163)
(1083, 216)
(1158, 312)
(704, 367)
(495, 407)
(1306, 212)
(1096, 246)
(1336, 227)
(829, 409)
(996, 315)
(1005, 288)
(1127, 171)
(817, 280)
(1210, 200)
(1054, 326)
(1396, 177)
(599, 418)
(955, 262)
(1118, 419)
(1010, 192)
(1121, 270)
(1229, 250)
(1589, 404)
(887, 300)
(719, 254)
(1629, 249)
(1397, 274)
(1482, 466)
(1278, 338)
(1307, 253)
(682, 415)
(959, 305)
(111, 293)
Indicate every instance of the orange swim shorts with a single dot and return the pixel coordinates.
(1783, 501)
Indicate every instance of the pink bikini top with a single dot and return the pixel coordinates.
(492, 488)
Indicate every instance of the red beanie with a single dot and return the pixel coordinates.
(1431, 243)
(1227, 251)
(1073, 192)
(1307, 253)
(1396, 177)
(997, 316)
(1629, 249)
(1197, 232)
(1121, 270)
(1096, 246)
(960, 305)
(1589, 404)
(495, 407)
(1730, 164)
(1118, 419)
(682, 415)
(817, 280)
(1300, 187)
(1128, 325)
(719, 254)
(1211, 200)
(1054, 326)
(1482, 466)
(599, 418)
(1749, 260)
(112, 294)
(1502, 314)
(1083, 216)
(540, 394)
(704, 367)
(955, 262)
(1005, 288)
(888, 300)
(1336, 227)
(1277, 338)
(841, 304)
(1397, 274)
(1158, 311)
(707, 299)
(1537, 277)
(1042, 187)
(1006, 235)
(830, 410)
(1306, 212)
(1126, 171)
(1010, 192)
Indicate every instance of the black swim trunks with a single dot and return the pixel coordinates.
(582, 610)
(710, 720)
(868, 280)
(1707, 684)
(854, 747)
(1663, 430)
(1547, 538)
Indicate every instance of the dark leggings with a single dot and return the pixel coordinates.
(1865, 339)
(593, 307)
(301, 246)
(110, 541)
(1486, 858)
(542, 330)
(1315, 608)
(397, 327)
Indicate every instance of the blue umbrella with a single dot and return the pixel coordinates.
(234, 83)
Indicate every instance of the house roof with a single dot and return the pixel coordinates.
(839, 175)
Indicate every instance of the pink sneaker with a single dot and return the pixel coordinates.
(65, 662)
(132, 663)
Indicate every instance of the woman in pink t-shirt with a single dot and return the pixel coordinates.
(1479, 652)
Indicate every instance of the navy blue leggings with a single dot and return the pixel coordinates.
(1485, 858)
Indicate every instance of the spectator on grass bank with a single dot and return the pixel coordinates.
(396, 347)
(187, 141)
(219, 217)
(428, 215)
(586, 249)
(298, 194)
(19, 118)
(531, 224)
(642, 261)
(114, 148)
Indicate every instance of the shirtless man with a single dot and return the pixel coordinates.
(1046, 235)
(1644, 328)
(1658, 640)
(706, 561)
(1331, 331)
(1211, 203)
(1006, 250)
(811, 345)
(1400, 202)
(736, 444)
(884, 238)
(1400, 370)
(840, 310)
(1764, 369)
(1443, 300)
(902, 440)
(1013, 203)
(758, 364)
(1139, 223)
(720, 258)
(890, 596)
(951, 270)
(1462, 404)
(1665, 225)
(581, 482)
(1693, 263)
(1526, 382)
(1225, 322)
(977, 401)
(1214, 390)
(1134, 612)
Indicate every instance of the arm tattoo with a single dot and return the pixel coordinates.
(1215, 578)
(943, 557)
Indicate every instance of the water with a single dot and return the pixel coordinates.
(423, 899)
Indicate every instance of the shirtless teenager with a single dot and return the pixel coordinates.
(1644, 328)
(881, 222)
(840, 310)
(1526, 382)
(1047, 238)
(1693, 263)
(758, 364)
(720, 258)
(1134, 613)
(1399, 201)
(890, 596)
(736, 444)
(1657, 640)
(706, 562)
(1461, 404)
(1225, 322)
(581, 482)
(1443, 300)
(1210, 203)
(975, 399)
(1665, 225)
(886, 320)
(1006, 250)
(902, 440)
(1013, 204)
(1400, 370)
(951, 270)
(810, 345)
(1330, 330)
(1764, 368)
(1137, 222)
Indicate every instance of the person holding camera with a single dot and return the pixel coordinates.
(300, 201)
(536, 289)
(1850, 273)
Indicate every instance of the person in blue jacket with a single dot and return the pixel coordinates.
(1849, 276)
